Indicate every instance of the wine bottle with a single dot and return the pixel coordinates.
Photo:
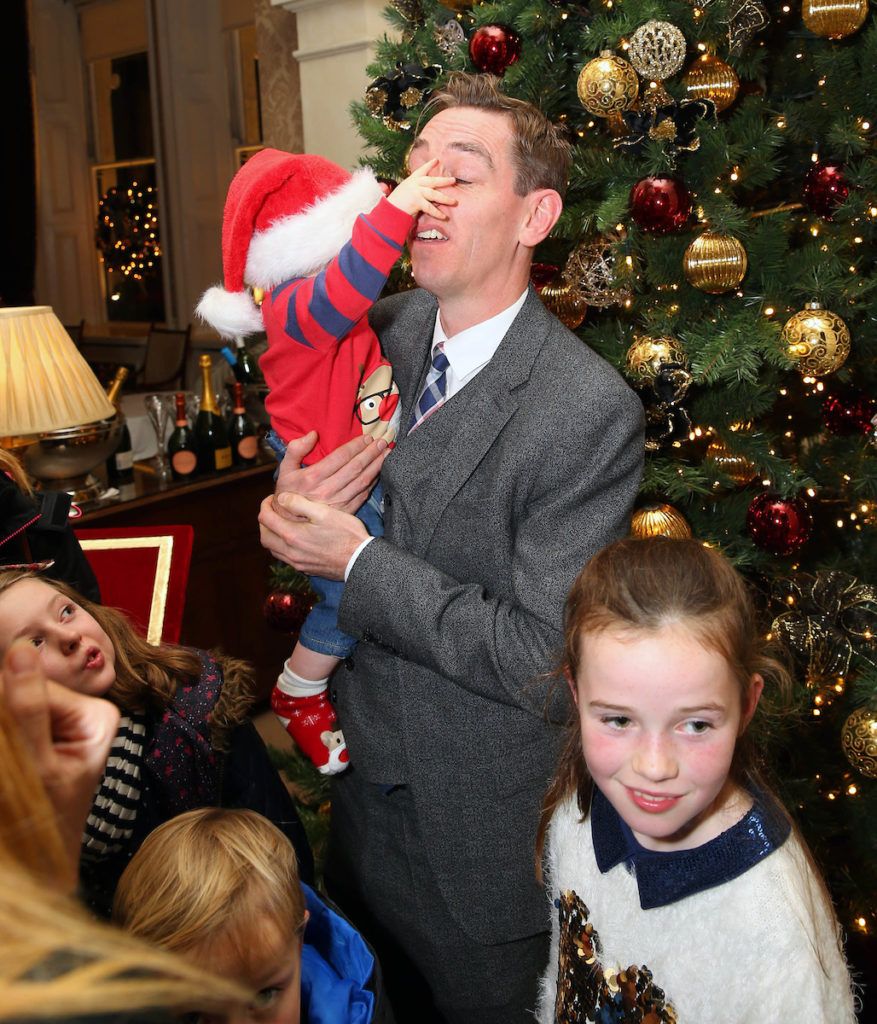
(181, 445)
(242, 431)
(120, 465)
(245, 368)
(211, 438)
(232, 361)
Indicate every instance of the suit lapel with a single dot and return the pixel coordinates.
(430, 465)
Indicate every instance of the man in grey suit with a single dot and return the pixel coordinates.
(522, 458)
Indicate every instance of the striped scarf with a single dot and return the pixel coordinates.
(111, 821)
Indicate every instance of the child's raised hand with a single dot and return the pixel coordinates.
(420, 191)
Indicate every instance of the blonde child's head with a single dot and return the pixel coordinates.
(656, 630)
(221, 889)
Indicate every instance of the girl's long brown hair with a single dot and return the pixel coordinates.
(148, 677)
(642, 586)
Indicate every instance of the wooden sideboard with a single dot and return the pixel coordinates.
(228, 579)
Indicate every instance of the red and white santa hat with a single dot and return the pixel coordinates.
(286, 215)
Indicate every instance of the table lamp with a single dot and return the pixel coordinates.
(51, 403)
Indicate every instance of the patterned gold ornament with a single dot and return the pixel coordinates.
(606, 84)
(646, 356)
(817, 339)
(565, 301)
(602, 276)
(858, 740)
(715, 263)
(737, 467)
(657, 50)
(659, 521)
(710, 78)
(834, 19)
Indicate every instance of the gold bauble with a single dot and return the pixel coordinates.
(458, 6)
(602, 277)
(646, 356)
(606, 84)
(565, 301)
(858, 739)
(657, 50)
(834, 19)
(817, 339)
(737, 467)
(659, 521)
(710, 78)
(715, 263)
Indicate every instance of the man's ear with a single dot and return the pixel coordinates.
(544, 207)
(750, 701)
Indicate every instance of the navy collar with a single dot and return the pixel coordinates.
(665, 877)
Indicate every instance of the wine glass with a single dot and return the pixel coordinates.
(158, 408)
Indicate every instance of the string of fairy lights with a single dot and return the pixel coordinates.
(127, 233)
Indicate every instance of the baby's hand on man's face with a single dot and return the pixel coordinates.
(421, 191)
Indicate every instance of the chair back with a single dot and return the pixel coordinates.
(75, 332)
(164, 367)
(142, 571)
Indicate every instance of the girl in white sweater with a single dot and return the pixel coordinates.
(680, 890)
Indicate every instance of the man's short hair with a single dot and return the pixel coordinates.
(540, 153)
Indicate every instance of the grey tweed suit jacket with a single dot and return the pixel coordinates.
(492, 506)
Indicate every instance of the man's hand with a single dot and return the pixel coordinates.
(311, 537)
(68, 735)
(342, 479)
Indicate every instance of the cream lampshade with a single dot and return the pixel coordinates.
(47, 389)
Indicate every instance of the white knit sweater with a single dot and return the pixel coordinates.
(758, 949)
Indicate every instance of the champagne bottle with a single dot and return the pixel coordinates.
(181, 445)
(210, 435)
(120, 465)
(242, 431)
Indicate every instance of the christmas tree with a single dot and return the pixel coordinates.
(718, 246)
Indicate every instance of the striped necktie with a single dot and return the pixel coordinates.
(434, 390)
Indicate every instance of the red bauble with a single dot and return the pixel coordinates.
(286, 612)
(660, 205)
(849, 411)
(779, 525)
(493, 48)
(825, 188)
(542, 274)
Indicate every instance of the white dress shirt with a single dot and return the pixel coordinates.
(468, 353)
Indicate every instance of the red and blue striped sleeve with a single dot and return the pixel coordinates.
(321, 310)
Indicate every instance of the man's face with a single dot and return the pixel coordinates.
(473, 257)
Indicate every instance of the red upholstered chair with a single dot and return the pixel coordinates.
(143, 571)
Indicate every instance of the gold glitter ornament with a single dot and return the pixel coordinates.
(715, 263)
(565, 301)
(602, 277)
(858, 740)
(834, 19)
(646, 356)
(607, 84)
(710, 78)
(737, 467)
(657, 50)
(659, 521)
(817, 339)
(458, 6)
(412, 10)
